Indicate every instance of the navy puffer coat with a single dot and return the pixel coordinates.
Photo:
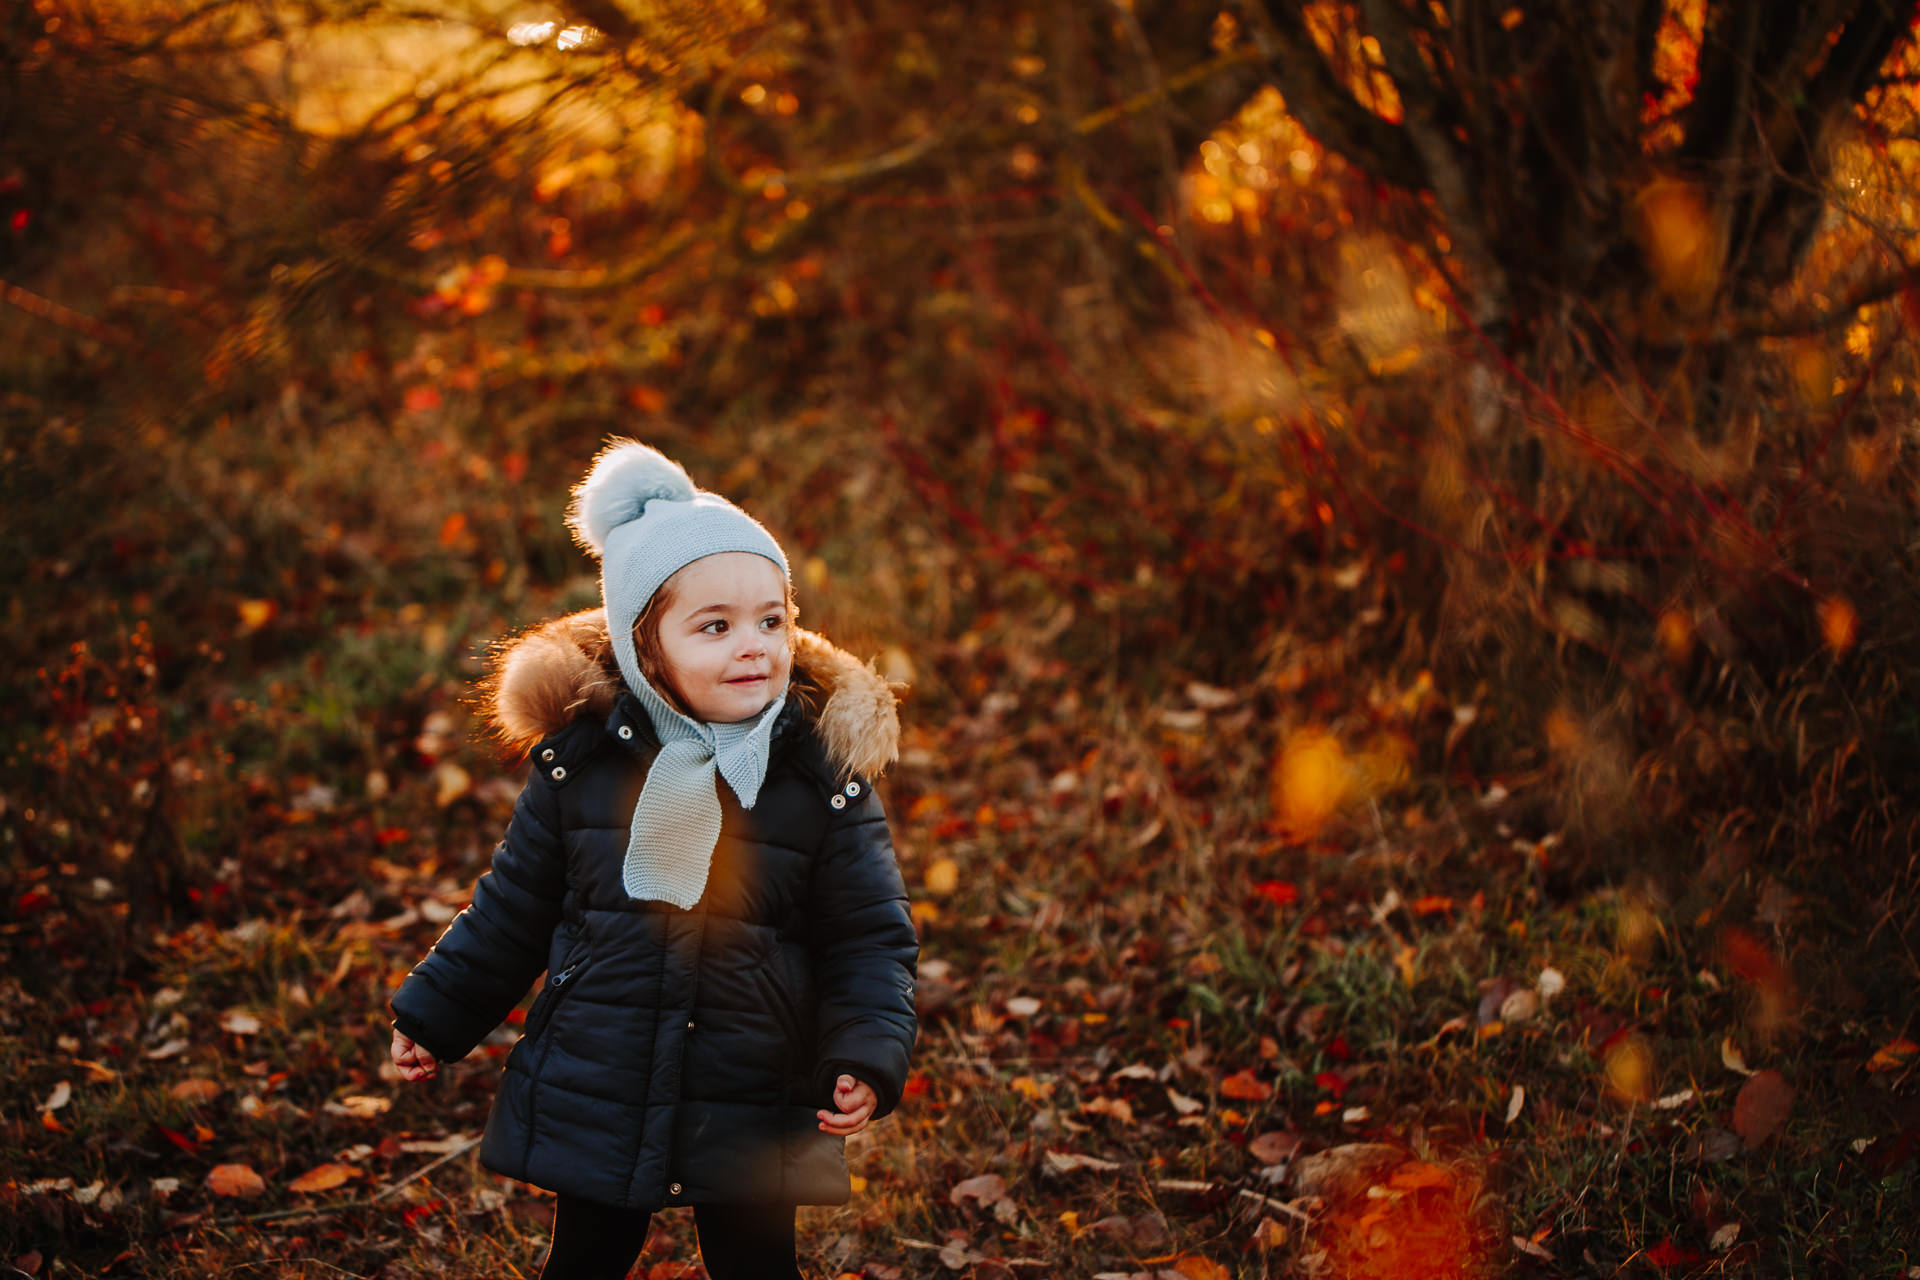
(678, 1056)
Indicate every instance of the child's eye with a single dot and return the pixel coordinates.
(773, 622)
(718, 627)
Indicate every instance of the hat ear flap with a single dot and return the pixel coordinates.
(624, 477)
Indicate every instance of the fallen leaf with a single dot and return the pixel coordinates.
(239, 1022)
(1515, 1101)
(1183, 1104)
(1531, 1249)
(359, 1106)
(179, 1140)
(61, 1095)
(1629, 1066)
(450, 782)
(197, 1089)
(1274, 1146)
(1723, 1238)
(235, 1180)
(1072, 1162)
(1406, 961)
(1195, 1267)
(1893, 1056)
(1667, 1255)
(1246, 1087)
(1715, 1146)
(255, 614)
(1311, 779)
(943, 877)
(325, 1177)
(1209, 697)
(1022, 1006)
(1520, 1006)
(1730, 1057)
(1343, 1170)
(1281, 893)
(986, 1191)
(1552, 982)
(1762, 1107)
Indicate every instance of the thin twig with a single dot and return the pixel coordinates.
(425, 1169)
(341, 1206)
(1283, 1206)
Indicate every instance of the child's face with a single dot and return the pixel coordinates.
(723, 636)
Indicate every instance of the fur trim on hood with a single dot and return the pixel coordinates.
(542, 680)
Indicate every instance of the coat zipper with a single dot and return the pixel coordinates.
(550, 998)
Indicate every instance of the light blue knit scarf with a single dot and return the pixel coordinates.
(676, 822)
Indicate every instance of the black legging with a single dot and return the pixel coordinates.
(737, 1241)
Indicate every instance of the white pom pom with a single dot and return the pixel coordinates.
(622, 480)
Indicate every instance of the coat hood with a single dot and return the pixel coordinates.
(544, 679)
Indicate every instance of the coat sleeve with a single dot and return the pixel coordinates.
(865, 952)
(493, 950)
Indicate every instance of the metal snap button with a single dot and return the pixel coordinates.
(559, 772)
(839, 802)
(853, 788)
(547, 754)
(626, 731)
(673, 1189)
(689, 1024)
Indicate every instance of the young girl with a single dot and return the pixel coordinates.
(701, 866)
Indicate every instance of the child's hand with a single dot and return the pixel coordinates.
(856, 1100)
(414, 1061)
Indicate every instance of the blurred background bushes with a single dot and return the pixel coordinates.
(1523, 400)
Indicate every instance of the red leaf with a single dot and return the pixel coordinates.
(235, 1180)
(1246, 1086)
(180, 1140)
(420, 1211)
(1281, 893)
(1667, 1255)
(1763, 1105)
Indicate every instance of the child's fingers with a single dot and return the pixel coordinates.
(841, 1125)
(413, 1061)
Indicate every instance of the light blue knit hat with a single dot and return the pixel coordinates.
(640, 513)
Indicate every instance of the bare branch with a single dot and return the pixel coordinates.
(1444, 165)
(1324, 106)
(1094, 121)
